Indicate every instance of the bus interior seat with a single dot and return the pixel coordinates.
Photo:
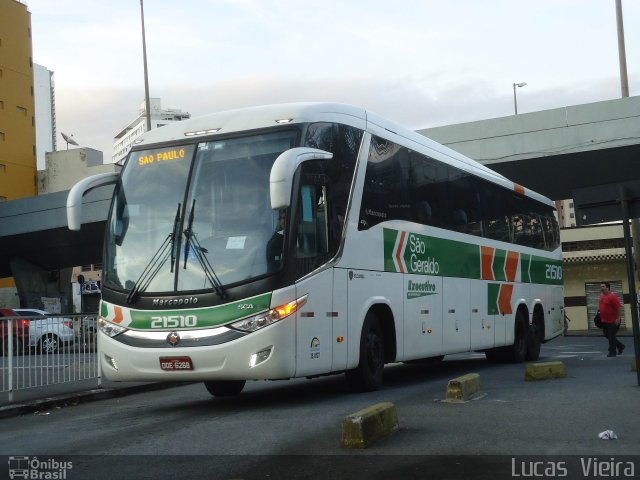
(459, 219)
(423, 212)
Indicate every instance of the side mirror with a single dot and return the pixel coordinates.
(281, 178)
(74, 199)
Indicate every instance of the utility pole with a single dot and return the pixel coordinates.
(624, 92)
(146, 76)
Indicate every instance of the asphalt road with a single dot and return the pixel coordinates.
(291, 429)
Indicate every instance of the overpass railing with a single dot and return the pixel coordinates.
(46, 352)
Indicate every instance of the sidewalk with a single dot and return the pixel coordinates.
(39, 400)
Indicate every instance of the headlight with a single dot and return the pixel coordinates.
(251, 324)
(110, 329)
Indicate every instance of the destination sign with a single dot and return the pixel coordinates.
(163, 155)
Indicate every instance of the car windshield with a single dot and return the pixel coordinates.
(185, 216)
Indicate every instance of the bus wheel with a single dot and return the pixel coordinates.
(517, 351)
(533, 342)
(368, 375)
(225, 388)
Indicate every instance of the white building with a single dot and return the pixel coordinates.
(125, 138)
(45, 113)
(64, 168)
(566, 213)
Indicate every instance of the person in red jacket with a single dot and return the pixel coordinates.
(610, 309)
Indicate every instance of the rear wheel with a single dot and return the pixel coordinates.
(516, 353)
(225, 388)
(533, 343)
(367, 376)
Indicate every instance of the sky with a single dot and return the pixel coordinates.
(421, 63)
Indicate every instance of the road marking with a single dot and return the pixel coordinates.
(582, 353)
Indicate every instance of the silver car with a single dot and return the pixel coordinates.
(47, 332)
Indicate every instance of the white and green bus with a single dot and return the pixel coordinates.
(300, 240)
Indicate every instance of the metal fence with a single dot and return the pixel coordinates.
(41, 351)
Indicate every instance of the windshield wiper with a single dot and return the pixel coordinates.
(199, 252)
(157, 261)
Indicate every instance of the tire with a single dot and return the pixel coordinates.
(49, 344)
(368, 375)
(517, 352)
(225, 388)
(18, 347)
(533, 343)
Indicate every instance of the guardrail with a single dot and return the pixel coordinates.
(46, 351)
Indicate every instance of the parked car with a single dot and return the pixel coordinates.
(88, 332)
(47, 332)
(20, 332)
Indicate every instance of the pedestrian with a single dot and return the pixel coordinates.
(610, 310)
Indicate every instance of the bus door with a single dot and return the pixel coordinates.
(314, 325)
(422, 316)
(310, 250)
(455, 315)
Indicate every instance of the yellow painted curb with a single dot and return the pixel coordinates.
(634, 365)
(462, 388)
(361, 429)
(545, 370)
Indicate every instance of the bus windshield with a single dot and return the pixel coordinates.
(188, 217)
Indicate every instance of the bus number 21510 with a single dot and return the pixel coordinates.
(174, 321)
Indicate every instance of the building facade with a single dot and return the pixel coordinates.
(17, 111)
(566, 213)
(45, 109)
(124, 140)
(592, 255)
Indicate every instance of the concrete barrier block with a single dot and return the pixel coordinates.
(545, 370)
(462, 388)
(364, 427)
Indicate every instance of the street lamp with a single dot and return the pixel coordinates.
(515, 101)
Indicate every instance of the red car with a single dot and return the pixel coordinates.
(20, 332)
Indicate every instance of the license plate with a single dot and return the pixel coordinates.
(173, 364)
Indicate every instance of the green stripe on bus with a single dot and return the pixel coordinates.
(204, 317)
(389, 237)
(493, 290)
(426, 255)
(525, 265)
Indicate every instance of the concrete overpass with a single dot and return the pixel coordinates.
(555, 151)
(38, 249)
(552, 152)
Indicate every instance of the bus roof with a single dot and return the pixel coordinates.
(264, 116)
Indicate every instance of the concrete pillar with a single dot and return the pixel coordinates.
(33, 283)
